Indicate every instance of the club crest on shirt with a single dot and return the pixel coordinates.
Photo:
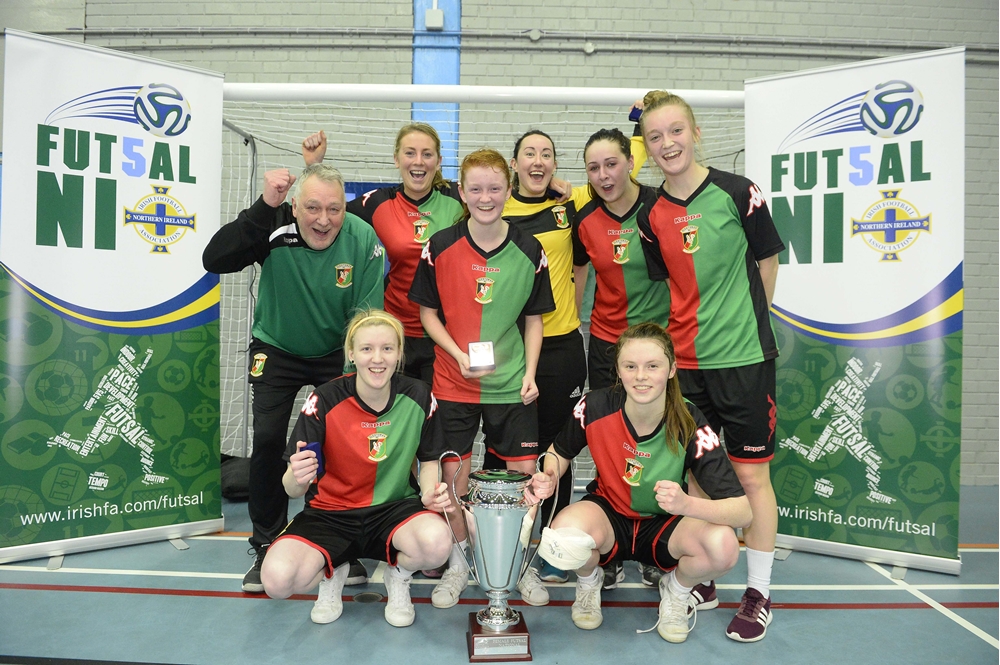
(376, 447)
(345, 275)
(620, 246)
(689, 235)
(257, 368)
(484, 290)
(633, 471)
(420, 230)
(559, 212)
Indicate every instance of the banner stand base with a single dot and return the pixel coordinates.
(108, 540)
(933, 564)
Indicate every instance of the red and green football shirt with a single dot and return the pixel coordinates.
(708, 246)
(404, 225)
(481, 296)
(624, 294)
(629, 466)
(367, 455)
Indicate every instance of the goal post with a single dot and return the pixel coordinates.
(265, 123)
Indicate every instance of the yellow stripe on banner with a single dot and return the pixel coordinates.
(206, 301)
(950, 307)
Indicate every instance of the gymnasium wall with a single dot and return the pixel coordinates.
(680, 44)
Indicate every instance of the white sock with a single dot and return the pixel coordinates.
(759, 571)
(404, 573)
(592, 579)
(457, 557)
(676, 587)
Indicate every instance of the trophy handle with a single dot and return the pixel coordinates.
(461, 505)
(532, 551)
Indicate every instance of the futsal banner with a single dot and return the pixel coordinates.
(863, 168)
(109, 377)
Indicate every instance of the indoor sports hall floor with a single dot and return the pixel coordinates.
(154, 603)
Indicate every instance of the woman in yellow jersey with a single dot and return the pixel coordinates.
(562, 366)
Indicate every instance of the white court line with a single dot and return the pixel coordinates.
(986, 637)
(988, 548)
(378, 576)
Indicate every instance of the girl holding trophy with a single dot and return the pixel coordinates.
(475, 281)
(644, 438)
(350, 454)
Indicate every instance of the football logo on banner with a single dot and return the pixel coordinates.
(891, 225)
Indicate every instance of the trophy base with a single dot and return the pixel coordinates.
(490, 646)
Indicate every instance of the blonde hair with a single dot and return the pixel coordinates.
(369, 318)
(678, 423)
(656, 99)
(423, 128)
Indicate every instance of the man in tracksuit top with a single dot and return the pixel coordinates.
(318, 265)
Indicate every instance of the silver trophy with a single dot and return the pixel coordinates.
(499, 522)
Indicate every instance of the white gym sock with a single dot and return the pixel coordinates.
(404, 573)
(457, 557)
(591, 579)
(676, 588)
(759, 571)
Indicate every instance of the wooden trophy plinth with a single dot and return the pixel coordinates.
(490, 646)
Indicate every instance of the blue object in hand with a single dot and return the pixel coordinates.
(317, 447)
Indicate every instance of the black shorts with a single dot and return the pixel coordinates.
(739, 404)
(511, 429)
(562, 371)
(343, 535)
(418, 358)
(601, 372)
(644, 540)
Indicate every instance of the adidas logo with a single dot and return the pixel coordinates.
(576, 392)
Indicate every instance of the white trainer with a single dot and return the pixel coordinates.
(586, 610)
(330, 603)
(399, 608)
(675, 613)
(450, 588)
(532, 590)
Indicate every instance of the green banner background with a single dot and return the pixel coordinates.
(50, 369)
(912, 419)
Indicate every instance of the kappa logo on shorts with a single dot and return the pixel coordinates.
(529, 444)
(772, 417)
(257, 369)
(345, 275)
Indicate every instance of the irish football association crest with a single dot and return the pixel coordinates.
(160, 219)
(891, 225)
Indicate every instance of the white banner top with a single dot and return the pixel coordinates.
(858, 176)
(111, 184)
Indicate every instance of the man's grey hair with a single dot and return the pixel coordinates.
(324, 172)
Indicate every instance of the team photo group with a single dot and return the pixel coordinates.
(477, 324)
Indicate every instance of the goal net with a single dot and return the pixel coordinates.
(264, 127)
